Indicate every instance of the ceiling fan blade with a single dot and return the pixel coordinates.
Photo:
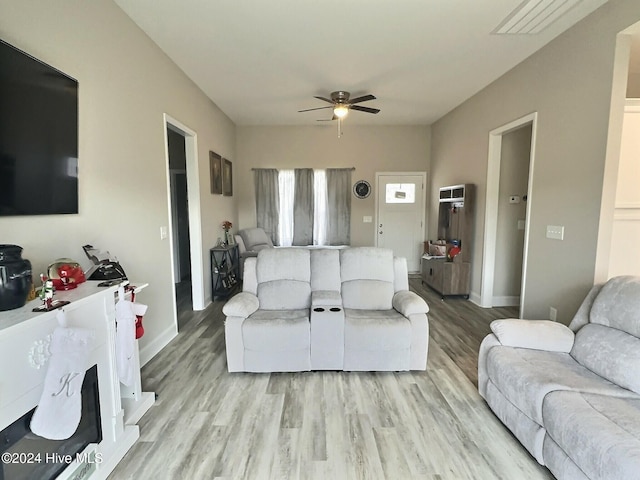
(311, 109)
(324, 99)
(328, 119)
(364, 98)
(364, 109)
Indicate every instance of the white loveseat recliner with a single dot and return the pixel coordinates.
(325, 309)
(571, 395)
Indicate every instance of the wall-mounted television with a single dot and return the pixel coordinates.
(38, 137)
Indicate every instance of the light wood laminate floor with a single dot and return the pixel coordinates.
(209, 424)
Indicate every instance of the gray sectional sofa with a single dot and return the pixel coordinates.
(326, 309)
(570, 395)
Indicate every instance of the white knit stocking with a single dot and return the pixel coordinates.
(58, 413)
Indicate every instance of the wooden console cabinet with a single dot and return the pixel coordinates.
(455, 222)
(446, 278)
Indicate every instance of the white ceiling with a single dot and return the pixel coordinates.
(262, 61)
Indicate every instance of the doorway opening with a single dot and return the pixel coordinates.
(180, 221)
(184, 218)
(508, 212)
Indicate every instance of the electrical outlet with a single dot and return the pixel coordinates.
(556, 232)
(367, 219)
(163, 233)
(553, 314)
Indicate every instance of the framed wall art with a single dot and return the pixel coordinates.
(215, 168)
(227, 178)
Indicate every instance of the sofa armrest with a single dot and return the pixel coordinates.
(409, 303)
(241, 305)
(533, 334)
(487, 344)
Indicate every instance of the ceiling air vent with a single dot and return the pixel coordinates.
(533, 16)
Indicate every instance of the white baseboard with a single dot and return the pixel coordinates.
(474, 297)
(506, 301)
(152, 348)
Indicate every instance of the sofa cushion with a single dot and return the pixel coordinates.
(284, 264)
(284, 279)
(367, 295)
(284, 295)
(255, 239)
(598, 433)
(277, 330)
(618, 305)
(367, 275)
(611, 353)
(526, 376)
(376, 330)
(535, 334)
(325, 269)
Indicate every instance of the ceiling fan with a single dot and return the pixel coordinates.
(341, 105)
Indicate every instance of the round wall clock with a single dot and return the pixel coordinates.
(362, 189)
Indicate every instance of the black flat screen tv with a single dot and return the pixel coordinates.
(38, 137)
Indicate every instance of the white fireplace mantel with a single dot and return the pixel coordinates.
(24, 339)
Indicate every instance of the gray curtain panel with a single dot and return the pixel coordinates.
(303, 207)
(267, 201)
(339, 200)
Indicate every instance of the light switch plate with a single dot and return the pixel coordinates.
(367, 219)
(163, 233)
(555, 232)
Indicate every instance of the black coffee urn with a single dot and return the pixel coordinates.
(15, 277)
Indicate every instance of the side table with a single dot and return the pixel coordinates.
(224, 270)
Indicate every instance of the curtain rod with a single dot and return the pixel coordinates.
(334, 168)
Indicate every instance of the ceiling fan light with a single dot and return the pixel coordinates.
(340, 111)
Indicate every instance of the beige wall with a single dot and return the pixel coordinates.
(633, 83)
(368, 149)
(569, 84)
(126, 84)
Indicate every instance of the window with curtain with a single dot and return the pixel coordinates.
(314, 206)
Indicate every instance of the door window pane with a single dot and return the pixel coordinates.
(400, 193)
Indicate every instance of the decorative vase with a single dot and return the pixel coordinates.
(15, 277)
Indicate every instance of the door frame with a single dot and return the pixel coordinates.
(491, 207)
(195, 217)
(423, 203)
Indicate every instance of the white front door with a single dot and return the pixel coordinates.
(400, 215)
